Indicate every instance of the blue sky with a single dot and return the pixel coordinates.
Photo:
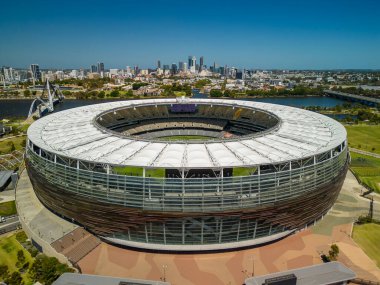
(248, 34)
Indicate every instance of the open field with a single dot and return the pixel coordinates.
(367, 236)
(367, 169)
(365, 137)
(9, 247)
(8, 208)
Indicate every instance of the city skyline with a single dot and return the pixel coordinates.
(291, 35)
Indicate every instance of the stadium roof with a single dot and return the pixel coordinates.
(72, 133)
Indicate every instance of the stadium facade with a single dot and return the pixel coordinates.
(188, 174)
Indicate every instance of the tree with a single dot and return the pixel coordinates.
(129, 93)
(4, 271)
(333, 252)
(201, 83)
(115, 93)
(14, 279)
(228, 93)
(137, 85)
(27, 93)
(47, 269)
(101, 94)
(21, 256)
(216, 93)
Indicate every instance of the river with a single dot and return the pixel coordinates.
(20, 108)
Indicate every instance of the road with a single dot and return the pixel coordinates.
(11, 223)
(7, 138)
(364, 152)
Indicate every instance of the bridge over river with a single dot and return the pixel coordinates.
(375, 102)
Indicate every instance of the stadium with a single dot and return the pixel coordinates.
(187, 174)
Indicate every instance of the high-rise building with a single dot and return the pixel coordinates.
(180, 65)
(201, 63)
(192, 64)
(166, 67)
(193, 61)
(239, 74)
(189, 61)
(36, 73)
(184, 66)
(158, 63)
(100, 67)
(8, 73)
(136, 70)
(94, 68)
(174, 68)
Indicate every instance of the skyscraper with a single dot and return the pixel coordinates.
(192, 64)
(201, 63)
(100, 67)
(158, 63)
(189, 61)
(180, 65)
(94, 68)
(174, 68)
(36, 73)
(136, 70)
(193, 61)
(239, 74)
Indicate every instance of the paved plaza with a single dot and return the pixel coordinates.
(300, 249)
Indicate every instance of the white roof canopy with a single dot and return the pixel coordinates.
(72, 133)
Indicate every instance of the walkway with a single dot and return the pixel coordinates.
(364, 152)
(7, 138)
(58, 235)
(7, 195)
(48, 226)
(300, 249)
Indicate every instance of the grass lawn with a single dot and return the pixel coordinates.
(5, 144)
(365, 136)
(138, 171)
(367, 236)
(243, 171)
(8, 208)
(9, 247)
(367, 168)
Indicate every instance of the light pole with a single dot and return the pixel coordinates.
(245, 273)
(253, 265)
(164, 267)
